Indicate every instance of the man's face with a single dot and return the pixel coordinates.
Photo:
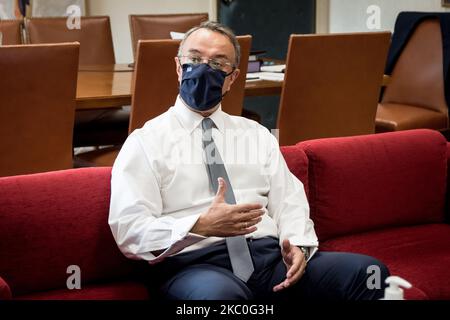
(208, 44)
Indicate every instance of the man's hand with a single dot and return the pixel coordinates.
(225, 220)
(295, 262)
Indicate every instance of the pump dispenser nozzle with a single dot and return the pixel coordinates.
(394, 290)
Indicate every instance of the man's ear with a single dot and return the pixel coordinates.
(235, 75)
(179, 69)
(233, 78)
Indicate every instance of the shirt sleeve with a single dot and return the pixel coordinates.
(287, 202)
(135, 215)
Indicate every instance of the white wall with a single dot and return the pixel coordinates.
(7, 9)
(118, 10)
(351, 16)
(343, 15)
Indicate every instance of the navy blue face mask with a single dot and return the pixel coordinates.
(201, 86)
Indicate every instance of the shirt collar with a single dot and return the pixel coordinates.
(191, 120)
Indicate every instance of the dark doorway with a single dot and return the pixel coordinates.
(270, 22)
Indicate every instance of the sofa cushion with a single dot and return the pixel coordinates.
(419, 254)
(297, 161)
(5, 292)
(447, 198)
(109, 291)
(53, 220)
(376, 181)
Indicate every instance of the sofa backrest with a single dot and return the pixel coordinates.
(53, 220)
(365, 183)
(447, 197)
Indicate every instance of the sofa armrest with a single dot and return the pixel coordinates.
(447, 198)
(5, 292)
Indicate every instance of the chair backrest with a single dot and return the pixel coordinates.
(159, 26)
(155, 82)
(418, 78)
(11, 31)
(332, 84)
(153, 95)
(37, 91)
(94, 36)
(233, 101)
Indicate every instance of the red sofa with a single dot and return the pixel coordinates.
(382, 195)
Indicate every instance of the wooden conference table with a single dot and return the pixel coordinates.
(109, 86)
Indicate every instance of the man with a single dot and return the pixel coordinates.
(213, 220)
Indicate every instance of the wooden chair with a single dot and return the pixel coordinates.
(94, 36)
(11, 31)
(152, 95)
(37, 88)
(159, 26)
(415, 95)
(92, 127)
(332, 84)
(234, 100)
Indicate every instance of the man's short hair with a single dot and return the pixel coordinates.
(219, 28)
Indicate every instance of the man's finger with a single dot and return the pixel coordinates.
(296, 265)
(295, 272)
(278, 287)
(281, 286)
(243, 232)
(256, 220)
(286, 246)
(287, 259)
(297, 276)
(256, 212)
(249, 223)
(245, 217)
(221, 191)
(245, 207)
(291, 280)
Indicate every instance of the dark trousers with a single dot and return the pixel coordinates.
(206, 274)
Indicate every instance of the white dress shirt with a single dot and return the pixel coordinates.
(160, 184)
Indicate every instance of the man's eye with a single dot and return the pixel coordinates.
(195, 59)
(216, 64)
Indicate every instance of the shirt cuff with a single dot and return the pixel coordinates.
(182, 227)
(312, 251)
(180, 239)
(312, 247)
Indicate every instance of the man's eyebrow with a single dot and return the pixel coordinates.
(221, 56)
(215, 56)
(194, 51)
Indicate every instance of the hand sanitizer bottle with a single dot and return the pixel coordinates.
(393, 291)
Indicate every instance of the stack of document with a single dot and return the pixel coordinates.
(176, 35)
(274, 68)
(271, 73)
(272, 76)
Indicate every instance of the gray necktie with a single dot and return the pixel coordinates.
(241, 260)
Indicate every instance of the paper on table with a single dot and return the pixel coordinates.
(272, 76)
(274, 68)
(176, 35)
(251, 76)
